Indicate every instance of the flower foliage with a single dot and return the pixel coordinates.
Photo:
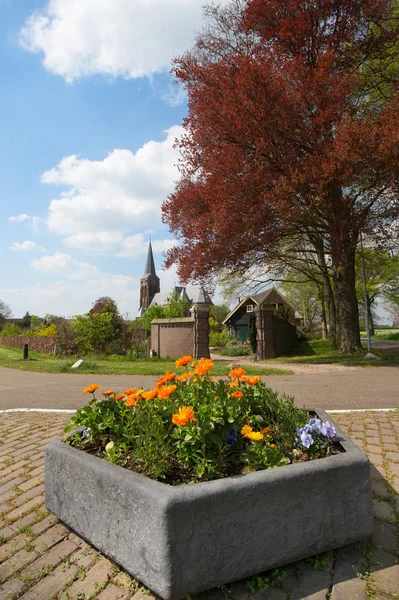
(191, 427)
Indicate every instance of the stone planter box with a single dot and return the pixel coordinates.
(180, 540)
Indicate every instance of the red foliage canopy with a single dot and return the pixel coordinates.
(282, 133)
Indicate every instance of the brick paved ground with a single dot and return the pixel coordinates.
(40, 559)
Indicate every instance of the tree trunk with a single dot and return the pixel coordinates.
(346, 300)
(324, 328)
(328, 294)
(370, 315)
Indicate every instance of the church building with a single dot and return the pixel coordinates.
(150, 291)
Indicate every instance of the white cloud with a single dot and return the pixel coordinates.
(121, 193)
(134, 245)
(127, 38)
(20, 218)
(35, 222)
(27, 246)
(64, 264)
(97, 242)
(175, 95)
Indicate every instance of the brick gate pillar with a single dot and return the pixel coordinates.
(264, 332)
(200, 314)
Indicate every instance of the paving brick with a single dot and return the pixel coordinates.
(385, 535)
(385, 575)
(383, 510)
(63, 574)
(13, 515)
(51, 558)
(93, 579)
(305, 583)
(393, 468)
(375, 459)
(11, 589)
(31, 482)
(112, 592)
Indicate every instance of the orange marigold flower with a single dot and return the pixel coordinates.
(165, 391)
(165, 378)
(130, 391)
(108, 393)
(183, 377)
(185, 414)
(236, 373)
(183, 361)
(266, 431)
(254, 435)
(246, 430)
(253, 380)
(120, 396)
(234, 383)
(150, 394)
(90, 389)
(237, 394)
(272, 445)
(131, 400)
(204, 365)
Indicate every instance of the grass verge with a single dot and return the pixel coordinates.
(320, 352)
(41, 363)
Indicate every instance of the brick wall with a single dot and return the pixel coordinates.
(43, 344)
(172, 337)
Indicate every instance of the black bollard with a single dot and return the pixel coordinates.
(26, 350)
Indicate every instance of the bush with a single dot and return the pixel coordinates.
(219, 339)
(47, 331)
(238, 351)
(11, 329)
(191, 427)
(65, 338)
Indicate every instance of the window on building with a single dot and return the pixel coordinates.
(250, 308)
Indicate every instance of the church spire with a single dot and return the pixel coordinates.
(149, 265)
(149, 283)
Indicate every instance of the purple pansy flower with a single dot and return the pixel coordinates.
(232, 436)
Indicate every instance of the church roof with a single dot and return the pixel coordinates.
(149, 270)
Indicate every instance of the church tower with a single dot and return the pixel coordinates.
(149, 283)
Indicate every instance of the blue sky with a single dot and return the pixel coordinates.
(88, 119)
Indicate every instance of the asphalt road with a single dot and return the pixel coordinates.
(373, 387)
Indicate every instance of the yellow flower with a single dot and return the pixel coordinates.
(183, 361)
(246, 430)
(91, 388)
(255, 435)
(233, 384)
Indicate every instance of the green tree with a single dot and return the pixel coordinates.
(5, 312)
(155, 311)
(35, 322)
(176, 307)
(93, 332)
(382, 278)
(138, 336)
(118, 342)
(26, 320)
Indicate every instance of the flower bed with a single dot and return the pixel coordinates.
(191, 427)
(181, 539)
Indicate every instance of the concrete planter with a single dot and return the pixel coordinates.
(185, 539)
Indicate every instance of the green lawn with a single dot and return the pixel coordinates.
(43, 363)
(384, 334)
(320, 352)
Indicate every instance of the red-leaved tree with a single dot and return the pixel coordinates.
(287, 135)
